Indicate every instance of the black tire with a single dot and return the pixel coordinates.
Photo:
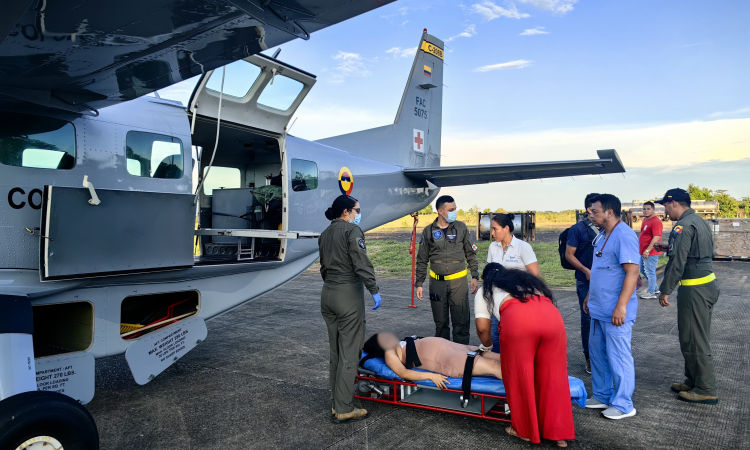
(41, 413)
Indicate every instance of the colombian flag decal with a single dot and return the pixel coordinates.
(428, 71)
(678, 229)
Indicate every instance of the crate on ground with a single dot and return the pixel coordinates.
(731, 238)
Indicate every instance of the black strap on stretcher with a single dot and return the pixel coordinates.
(466, 381)
(412, 358)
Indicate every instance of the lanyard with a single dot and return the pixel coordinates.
(600, 252)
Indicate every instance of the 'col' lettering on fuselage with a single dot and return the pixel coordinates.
(16, 198)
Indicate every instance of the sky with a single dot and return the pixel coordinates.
(664, 83)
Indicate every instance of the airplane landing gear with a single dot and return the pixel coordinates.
(49, 420)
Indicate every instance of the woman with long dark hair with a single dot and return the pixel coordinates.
(512, 253)
(534, 350)
(345, 268)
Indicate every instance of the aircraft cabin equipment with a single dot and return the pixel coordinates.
(245, 252)
(524, 226)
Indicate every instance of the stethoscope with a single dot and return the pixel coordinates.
(596, 239)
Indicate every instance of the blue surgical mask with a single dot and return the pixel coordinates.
(357, 218)
(452, 217)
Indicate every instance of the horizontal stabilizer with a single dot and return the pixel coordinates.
(608, 162)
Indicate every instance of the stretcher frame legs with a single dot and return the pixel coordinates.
(397, 392)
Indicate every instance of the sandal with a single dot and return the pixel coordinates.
(512, 432)
(562, 444)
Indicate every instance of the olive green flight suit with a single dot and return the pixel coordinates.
(447, 252)
(691, 247)
(344, 266)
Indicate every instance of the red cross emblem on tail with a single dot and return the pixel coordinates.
(418, 141)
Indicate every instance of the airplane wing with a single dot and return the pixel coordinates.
(80, 55)
(608, 162)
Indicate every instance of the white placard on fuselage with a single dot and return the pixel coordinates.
(72, 375)
(153, 353)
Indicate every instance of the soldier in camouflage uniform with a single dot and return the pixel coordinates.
(690, 252)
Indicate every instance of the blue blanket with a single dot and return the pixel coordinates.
(483, 385)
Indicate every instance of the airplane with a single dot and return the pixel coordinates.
(107, 246)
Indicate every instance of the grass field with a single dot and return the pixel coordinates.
(392, 258)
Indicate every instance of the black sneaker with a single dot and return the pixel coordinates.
(588, 365)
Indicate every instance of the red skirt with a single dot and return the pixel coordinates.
(535, 369)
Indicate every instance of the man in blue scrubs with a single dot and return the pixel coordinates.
(613, 305)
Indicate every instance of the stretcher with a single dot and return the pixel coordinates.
(377, 382)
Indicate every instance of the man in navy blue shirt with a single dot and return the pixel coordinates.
(580, 252)
(613, 306)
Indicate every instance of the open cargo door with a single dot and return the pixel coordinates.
(126, 232)
(259, 92)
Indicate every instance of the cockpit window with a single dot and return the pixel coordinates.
(281, 94)
(153, 155)
(36, 141)
(238, 80)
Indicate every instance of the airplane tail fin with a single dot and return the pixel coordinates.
(413, 140)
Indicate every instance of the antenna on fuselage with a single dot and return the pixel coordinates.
(276, 53)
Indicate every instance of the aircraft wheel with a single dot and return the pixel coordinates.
(44, 420)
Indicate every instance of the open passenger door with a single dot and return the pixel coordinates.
(259, 92)
(85, 239)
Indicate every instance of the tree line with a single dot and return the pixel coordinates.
(729, 207)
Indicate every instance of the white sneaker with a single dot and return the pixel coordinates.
(649, 295)
(657, 292)
(615, 414)
(593, 403)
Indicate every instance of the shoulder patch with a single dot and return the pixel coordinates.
(473, 247)
(361, 243)
(677, 229)
(437, 234)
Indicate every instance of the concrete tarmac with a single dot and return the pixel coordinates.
(260, 381)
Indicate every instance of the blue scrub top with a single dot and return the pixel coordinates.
(607, 273)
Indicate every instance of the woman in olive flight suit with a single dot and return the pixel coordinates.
(345, 266)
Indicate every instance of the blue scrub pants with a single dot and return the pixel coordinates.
(612, 368)
(495, 334)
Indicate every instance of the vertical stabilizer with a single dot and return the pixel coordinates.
(414, 138)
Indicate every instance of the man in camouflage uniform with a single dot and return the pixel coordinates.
(690, 252)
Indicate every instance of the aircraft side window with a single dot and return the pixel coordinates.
(221, 178)
(281, 94)
(153, 155)
(240, 77)
(36, 141)
(304, 175)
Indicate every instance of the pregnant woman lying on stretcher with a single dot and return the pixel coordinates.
(434, 354)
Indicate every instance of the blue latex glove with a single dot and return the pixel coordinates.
(378, 301)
